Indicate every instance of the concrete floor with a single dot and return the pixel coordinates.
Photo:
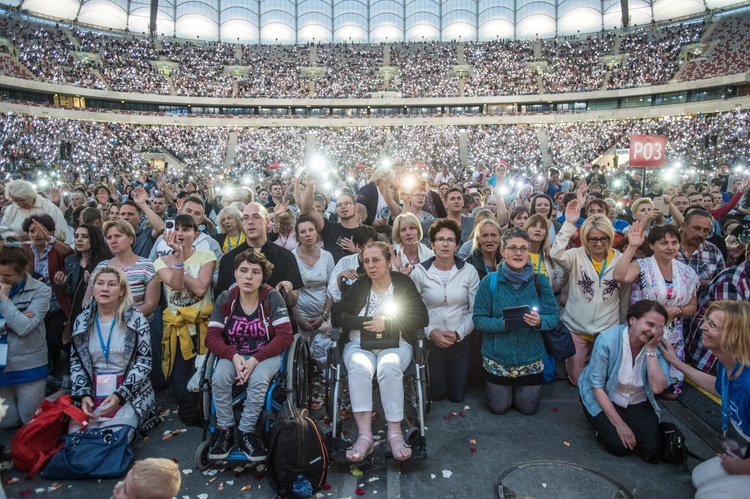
(557, 432)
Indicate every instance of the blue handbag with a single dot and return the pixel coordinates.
(98, 453)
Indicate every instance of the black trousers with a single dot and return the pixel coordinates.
(54, 324)
(644, 424)
(449, 369)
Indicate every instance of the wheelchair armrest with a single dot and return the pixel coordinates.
(421, 334)
(335, 333)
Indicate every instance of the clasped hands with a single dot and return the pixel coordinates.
(244, 368)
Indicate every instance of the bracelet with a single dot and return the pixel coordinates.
(651, 354)
(178, 266)
(680, 308)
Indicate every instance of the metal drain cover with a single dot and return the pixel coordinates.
(555, 479)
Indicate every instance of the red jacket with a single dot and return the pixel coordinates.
(55, 264)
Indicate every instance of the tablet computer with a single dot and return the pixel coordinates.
(514, 317)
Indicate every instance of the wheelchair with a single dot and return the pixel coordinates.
(416, 398)
(293, 382)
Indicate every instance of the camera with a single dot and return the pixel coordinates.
(168, 225)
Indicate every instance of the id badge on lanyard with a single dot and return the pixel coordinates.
(106, 384)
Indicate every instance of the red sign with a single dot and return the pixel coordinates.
(648, 151)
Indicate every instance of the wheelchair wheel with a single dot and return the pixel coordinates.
(201, 456)
(298, 379)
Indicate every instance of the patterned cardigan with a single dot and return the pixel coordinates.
(136, 388)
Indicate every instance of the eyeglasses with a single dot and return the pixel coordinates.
(598, 240)
(517, 249)
(445, 240)
(711, 324)
(344, 204)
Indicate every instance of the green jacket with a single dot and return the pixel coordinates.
(519, 347)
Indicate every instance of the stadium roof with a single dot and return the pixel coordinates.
(302, 21)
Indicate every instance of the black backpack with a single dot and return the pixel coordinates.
(673, 448)
(297, 456)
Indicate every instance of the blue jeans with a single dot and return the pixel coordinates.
(449, 370)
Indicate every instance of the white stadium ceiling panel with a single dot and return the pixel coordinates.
(304, 21)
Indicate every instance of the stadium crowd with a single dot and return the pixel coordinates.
(102, 219)
(124, 62)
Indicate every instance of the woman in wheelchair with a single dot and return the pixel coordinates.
(248, 332)
(380, 308)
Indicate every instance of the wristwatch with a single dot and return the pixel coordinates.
(458, 337)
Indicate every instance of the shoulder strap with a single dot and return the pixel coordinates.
(538, 288)
(493, 282)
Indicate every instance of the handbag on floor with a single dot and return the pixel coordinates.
(98, 453)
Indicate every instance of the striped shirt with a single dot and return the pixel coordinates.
(139, 275)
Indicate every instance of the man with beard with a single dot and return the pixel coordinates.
(337, 237)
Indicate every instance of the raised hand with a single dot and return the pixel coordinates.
(139, 195)
(582, 192)
(573, 212)
(636, 237)
(280, 208)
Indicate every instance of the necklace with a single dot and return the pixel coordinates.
(380, 291)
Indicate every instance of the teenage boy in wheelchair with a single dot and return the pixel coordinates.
(248, 332)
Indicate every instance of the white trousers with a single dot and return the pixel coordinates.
(389, 365)
(711, 481)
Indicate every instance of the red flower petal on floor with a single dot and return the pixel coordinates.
(26, 493)
(473, 450)
(462, 414)
(555, 409)
(174, 460)
(360, 491)
(259, 476)
(327, 486)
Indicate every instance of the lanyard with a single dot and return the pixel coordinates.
(105, 348)
(540, 256)
(725, 396)
(604, 266)
(229, 242)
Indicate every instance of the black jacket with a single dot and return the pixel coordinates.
(411, 315)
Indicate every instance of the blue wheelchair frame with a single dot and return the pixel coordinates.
(284, 380)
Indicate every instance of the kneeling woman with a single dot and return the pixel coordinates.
(24, 302)
(618, 386)
(726, 331)
(248, 332)
(369, 307)
(110, 361)
(513, 353)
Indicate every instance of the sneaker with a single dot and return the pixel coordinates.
(252, 447)
(223, 443)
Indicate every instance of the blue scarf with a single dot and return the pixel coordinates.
(518, 279)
